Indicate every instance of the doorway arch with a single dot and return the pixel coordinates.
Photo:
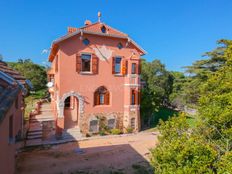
(79, 105)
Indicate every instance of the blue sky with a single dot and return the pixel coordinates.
(177, 32)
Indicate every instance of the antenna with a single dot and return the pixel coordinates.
(99, 16)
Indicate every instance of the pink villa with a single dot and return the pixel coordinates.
(95, 76)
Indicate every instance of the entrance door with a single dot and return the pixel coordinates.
(71, 112)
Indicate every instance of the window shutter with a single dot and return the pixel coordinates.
(124, 66)
(107, 98)
(94, 64)
(78, 63)
(96, 98)
(113, 64)
(139, 97)
(136, 97)
(139, 67)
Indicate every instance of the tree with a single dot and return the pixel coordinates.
(1, 57)
(206, 148)
(33, 72)
(158, 86)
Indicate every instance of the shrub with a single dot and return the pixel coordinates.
(115, 131)
(102, 132)
(129, 130)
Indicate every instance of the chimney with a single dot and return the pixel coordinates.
(88, 22)
(71, 30)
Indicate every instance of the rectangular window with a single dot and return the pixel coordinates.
(133, 68)
(11, 132)
(85, 62)
(117, 65)
(133, 97)
(102, 99)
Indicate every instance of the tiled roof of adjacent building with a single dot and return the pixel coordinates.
(14, 74)
(9, 89)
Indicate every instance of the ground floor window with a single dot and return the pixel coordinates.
(133, 123)
(111, 123)
(93, 126)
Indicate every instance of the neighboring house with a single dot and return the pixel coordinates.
(95, 75)
(11, 120)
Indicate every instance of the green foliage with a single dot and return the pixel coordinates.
(206, 147)
(162, 114)
(129, 130)
(33, 72)
(115, 131)
(158, 87)
(181, 151)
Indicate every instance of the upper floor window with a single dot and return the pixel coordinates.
(86, 41)
(119, 45)
(117, 65)
(133, 68)
(101, 96)
(85, 62)
(133, 97)
(103, 29)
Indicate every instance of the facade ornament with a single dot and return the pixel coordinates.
(103, 53)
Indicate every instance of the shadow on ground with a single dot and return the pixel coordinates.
(115, 159)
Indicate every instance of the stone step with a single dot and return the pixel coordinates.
(30, 137)
(35, 129)
(30, 133)
(72, 130)
(34, 120)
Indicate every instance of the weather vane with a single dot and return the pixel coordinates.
(99, 16)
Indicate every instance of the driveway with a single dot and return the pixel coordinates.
(120, 154)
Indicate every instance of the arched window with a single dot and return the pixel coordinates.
(101, 96)
(67, 102)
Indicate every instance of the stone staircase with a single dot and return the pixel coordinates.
(35, 132)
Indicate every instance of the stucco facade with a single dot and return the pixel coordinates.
(104, 45)
(11, 121)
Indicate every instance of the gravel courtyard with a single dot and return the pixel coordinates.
(124, 154)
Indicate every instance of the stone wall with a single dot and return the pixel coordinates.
(102, 118)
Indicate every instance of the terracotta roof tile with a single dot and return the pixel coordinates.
(96, 27)
(9, 71)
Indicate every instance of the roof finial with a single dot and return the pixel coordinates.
(99, 16)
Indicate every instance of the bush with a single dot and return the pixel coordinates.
(129, 130)
(115, 131)
(102, 132)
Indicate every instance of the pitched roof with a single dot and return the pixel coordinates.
(14, 74)
(95, 29)
(9, 89)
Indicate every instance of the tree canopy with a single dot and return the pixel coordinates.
(33, 72)
(207, 147)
